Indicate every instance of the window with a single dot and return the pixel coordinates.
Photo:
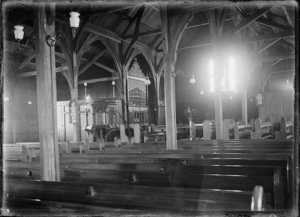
(228, 80)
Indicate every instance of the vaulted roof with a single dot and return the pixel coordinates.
(108, 32)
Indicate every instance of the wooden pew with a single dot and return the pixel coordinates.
(169, 170)
(286, 129)
(262, 130)
(205, 178)
(242, 131)
(40, 197)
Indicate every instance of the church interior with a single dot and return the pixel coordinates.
(127, 108)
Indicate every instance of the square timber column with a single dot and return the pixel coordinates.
(170, 100)
(244, 107)
(46, 93)
(219, 69)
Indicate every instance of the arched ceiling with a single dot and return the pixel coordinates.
(263, 31)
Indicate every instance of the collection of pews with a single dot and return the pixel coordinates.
(144, 178)
(257, 129)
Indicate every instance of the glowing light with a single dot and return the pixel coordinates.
(74, 19)
(147, 81)
(88, 98)
(231, 73)
(193, 80)
(29, 102)
(211, 76)
(19, 32)
(6, 99)
(230, 97)
(201, 92)
(113, 83)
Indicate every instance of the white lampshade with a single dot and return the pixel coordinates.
(74, 19)
(85, 84)
(193, 79)
(113, 83)
(147, 81)
(19, 33)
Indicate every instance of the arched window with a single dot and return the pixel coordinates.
(228, 79)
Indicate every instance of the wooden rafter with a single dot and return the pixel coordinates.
(89, 64)
(90, 27)
(33, 73)
(96, 80)
(268, 45)
(105, 67)
(270, 23)
(30, 57)
(136, 30)
(247, 21)
(287, 16)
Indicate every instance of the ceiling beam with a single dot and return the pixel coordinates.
(30, 57)
(277, 36)
(270, 23)
(33, 73)
(286, 34)
(89, 64)
(92, 28)
(96, 80)
(250, 19)
(268, 45)
(272, 58)
(105, 67)
(287, 16)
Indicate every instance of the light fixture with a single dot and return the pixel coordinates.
(147, 81)
(193, 79)
(74, 21)
(19, 32)
(88, 98)
(6, 99)
(29, 102)
(113, 83)
(85, 84)
(201, 92)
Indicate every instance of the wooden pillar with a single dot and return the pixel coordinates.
(76, 125)
(46, 95)
(218, 71)
(170, 106)
(244, 107)
(172, 30)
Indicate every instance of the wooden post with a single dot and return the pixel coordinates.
(226, 129)
(218, 97)
(244, 107)
(46, 95)
(170, 109)
(207, 130)
(172, 30)
(137, 133)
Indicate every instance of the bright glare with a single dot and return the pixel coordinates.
(193, 80)
(211, 76)
(88, 98)
(228, 79)
(6, 99)
(29, 102)
(231, 73)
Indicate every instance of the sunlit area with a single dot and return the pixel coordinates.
(146, 108)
